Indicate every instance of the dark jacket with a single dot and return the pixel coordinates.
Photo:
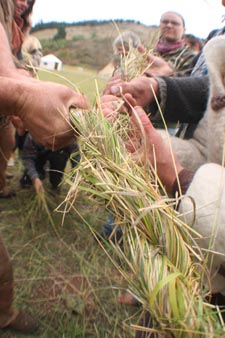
(34, 152)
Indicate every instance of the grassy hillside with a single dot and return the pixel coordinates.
(90, 45)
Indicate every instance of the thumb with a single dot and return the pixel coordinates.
(120, 89)
(141, 119)
(130, 101)
(141, 49)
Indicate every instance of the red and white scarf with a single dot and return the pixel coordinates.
(164, 47)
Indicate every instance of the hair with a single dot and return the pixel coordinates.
(5, 8)
(178, 14)
(26, 15)
(126, 39)
(193, 40)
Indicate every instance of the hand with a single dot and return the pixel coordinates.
(158, 67)
(111, 106)
(44, 108)
(152, 148)
(46, 111)
(141, 89)
(38, 186)
(115, 80)
(19, 125)
(147, 146)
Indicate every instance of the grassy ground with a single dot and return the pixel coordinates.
(62, 275)
(86, 81)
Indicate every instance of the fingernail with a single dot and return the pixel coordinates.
(115, 90)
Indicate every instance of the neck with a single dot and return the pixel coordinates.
(165, 46)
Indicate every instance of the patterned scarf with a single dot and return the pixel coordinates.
(163, 47)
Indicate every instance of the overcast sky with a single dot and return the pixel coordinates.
(201, 16)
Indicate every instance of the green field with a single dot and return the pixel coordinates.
(86, 81)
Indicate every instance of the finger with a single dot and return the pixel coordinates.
(112, 82)
(141, 49)
(78, 101)
(150, 58)
(130, 100)
(139, 116)
(121, 89)
(105, 99)
(110, 115)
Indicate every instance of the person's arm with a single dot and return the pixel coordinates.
(44, 107)
(183, 99)
(180, 99)
(182, 182)
(7, 66)
(174, 177)
(146, 145)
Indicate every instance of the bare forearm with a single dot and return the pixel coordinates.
(6, 60)
(10, 91)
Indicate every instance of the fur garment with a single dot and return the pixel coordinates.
(207, 143)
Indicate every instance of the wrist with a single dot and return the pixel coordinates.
(154, 86)
(10, 91)
(182, 182)
(153, 93)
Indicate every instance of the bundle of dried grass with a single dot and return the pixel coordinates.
(135, 63)
(39, 206)
(164, 272)
(164, 267)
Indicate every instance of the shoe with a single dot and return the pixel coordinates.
(23, 323)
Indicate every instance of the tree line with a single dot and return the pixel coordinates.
(59, 25)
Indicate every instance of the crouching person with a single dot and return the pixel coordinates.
(38, 161)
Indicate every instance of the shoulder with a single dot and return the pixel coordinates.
(215, 32)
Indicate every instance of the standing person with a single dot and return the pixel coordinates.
(171, 47)
(122, 45)
(42, 108)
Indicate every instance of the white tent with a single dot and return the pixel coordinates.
(51, 62)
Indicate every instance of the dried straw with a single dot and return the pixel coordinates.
(157, 257)
(164, 267)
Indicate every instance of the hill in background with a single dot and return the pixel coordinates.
(88, 44)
